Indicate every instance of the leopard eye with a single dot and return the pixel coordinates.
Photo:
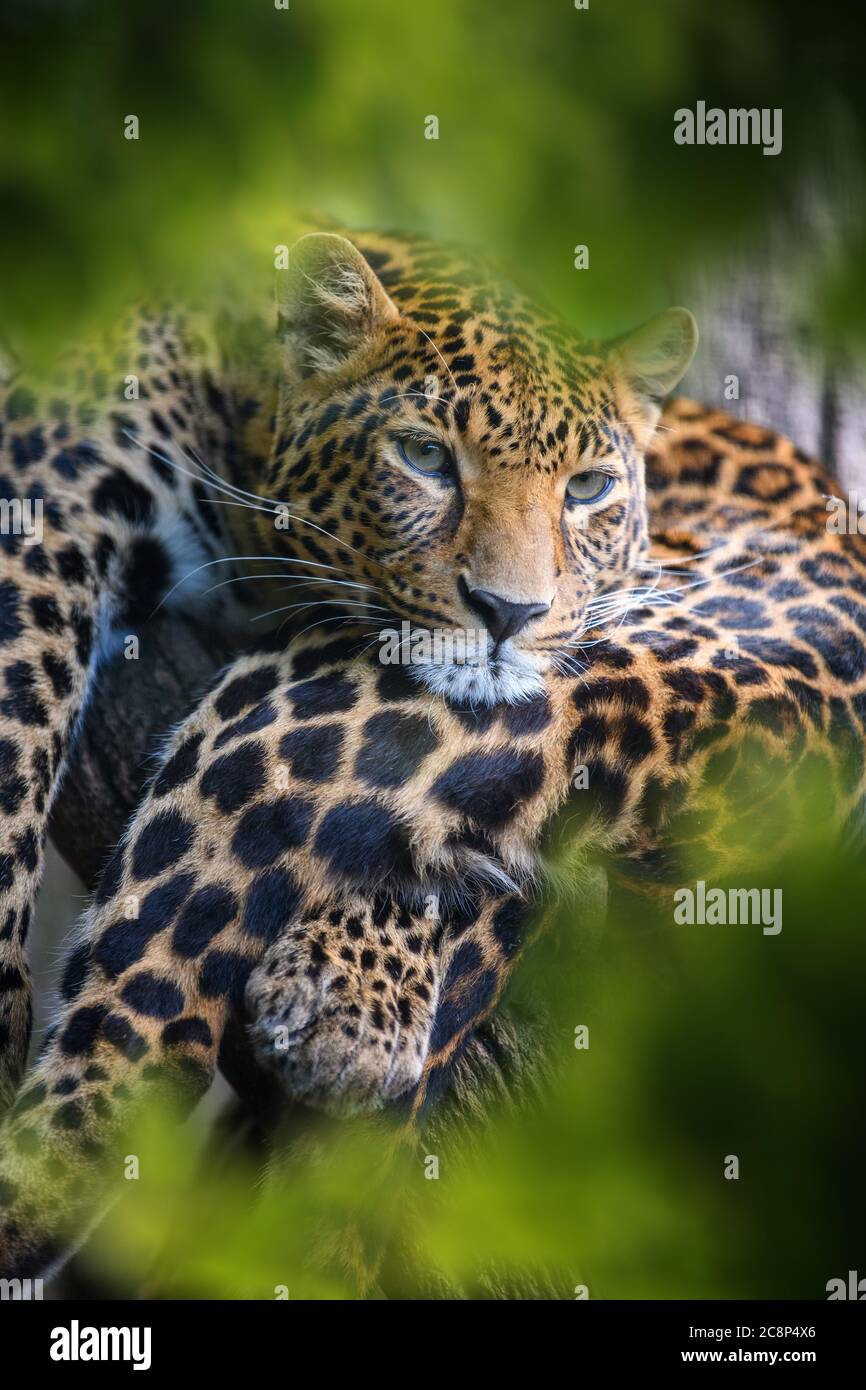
(426, 455)
(589, 486)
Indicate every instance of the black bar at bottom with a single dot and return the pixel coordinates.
(63, 1339)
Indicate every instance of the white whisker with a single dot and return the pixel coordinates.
(307, 579)
(320, 603)
(339, 618)
(237, 559)
(236, 494)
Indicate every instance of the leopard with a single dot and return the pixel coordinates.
(349, 849)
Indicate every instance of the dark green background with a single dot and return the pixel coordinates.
(556, 128)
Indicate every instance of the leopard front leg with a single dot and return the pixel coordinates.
(184, 909)
(159, 960)
(231, 849)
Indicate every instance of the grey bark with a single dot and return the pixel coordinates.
(756, 314)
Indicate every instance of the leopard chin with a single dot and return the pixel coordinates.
(511, 677)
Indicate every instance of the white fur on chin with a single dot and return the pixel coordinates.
(509, 678)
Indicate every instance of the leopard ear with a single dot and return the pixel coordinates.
(656, 356)
(329, 302)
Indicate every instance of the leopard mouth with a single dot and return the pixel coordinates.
(464, 665)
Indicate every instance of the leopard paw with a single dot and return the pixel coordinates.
(341, 1011)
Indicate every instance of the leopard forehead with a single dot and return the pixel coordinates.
(475, 358)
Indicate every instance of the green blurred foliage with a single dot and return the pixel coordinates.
(556, 128)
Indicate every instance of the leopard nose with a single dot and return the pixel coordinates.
(500, 616)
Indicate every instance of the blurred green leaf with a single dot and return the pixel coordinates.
(556, 128)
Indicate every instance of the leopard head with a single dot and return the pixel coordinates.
(457, 469)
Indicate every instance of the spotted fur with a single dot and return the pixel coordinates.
(348, 846)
